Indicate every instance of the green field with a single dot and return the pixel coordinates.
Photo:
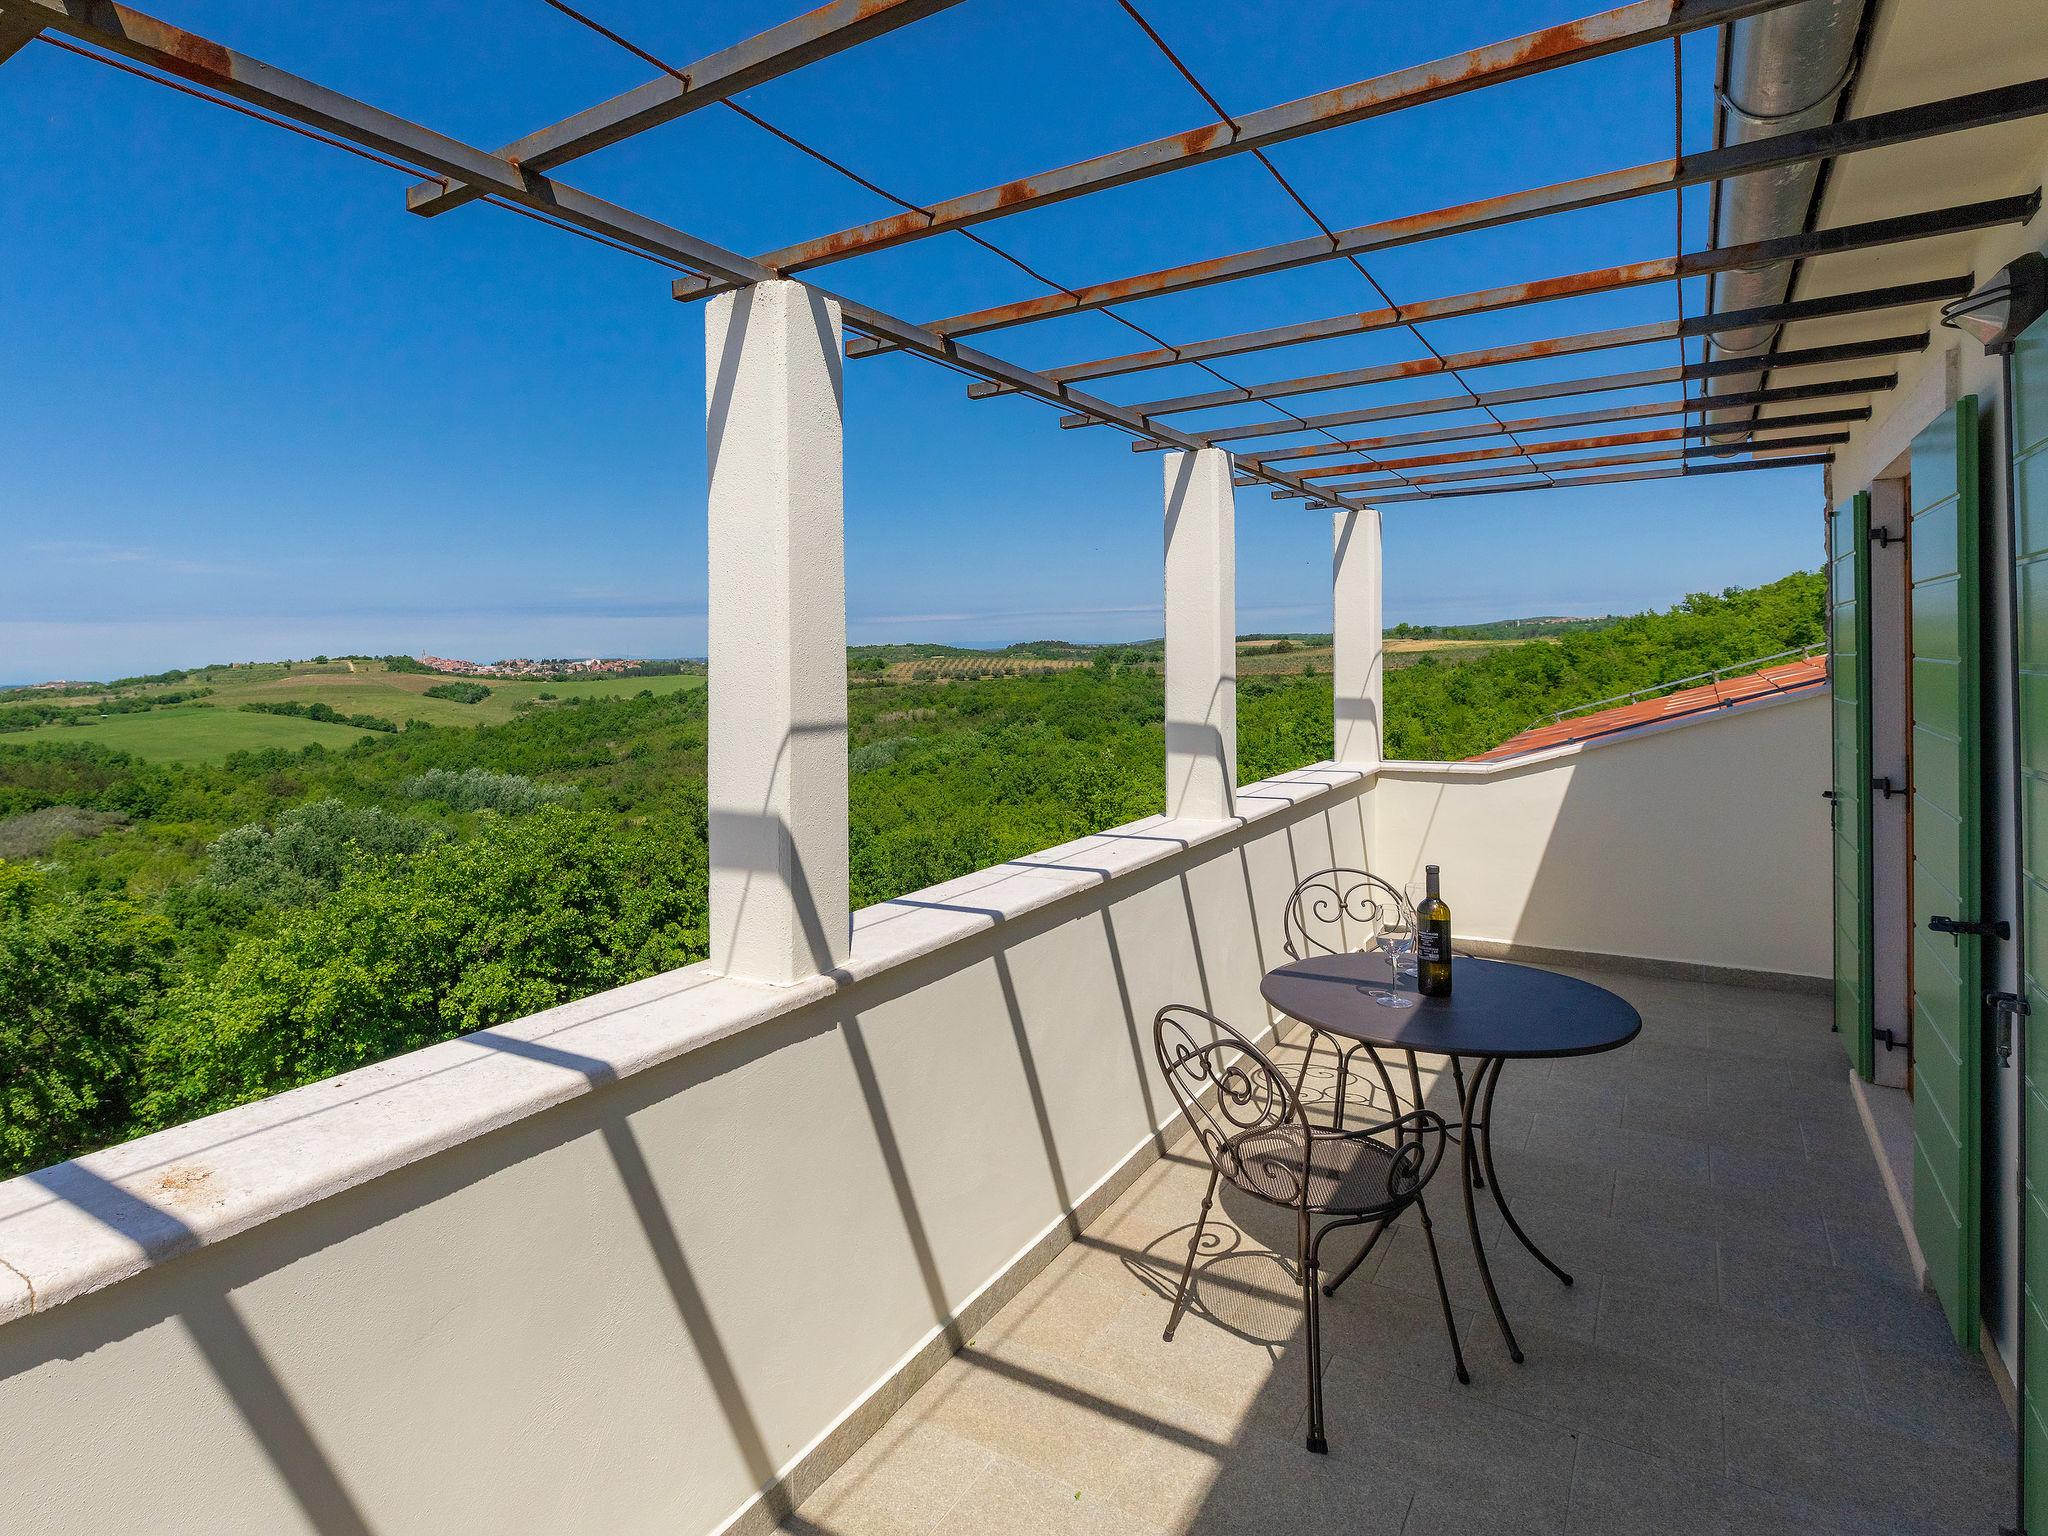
(208, 731)
(193, 733)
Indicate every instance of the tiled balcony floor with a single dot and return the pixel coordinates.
(1744, 1351)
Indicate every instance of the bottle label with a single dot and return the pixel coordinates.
(1431, 947)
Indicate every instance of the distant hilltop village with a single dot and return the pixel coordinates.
(526, 666)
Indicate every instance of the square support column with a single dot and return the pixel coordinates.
(1201, 635)
(1358, 639)
(776, 776)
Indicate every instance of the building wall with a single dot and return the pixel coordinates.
(1703, 842)
(1955, 365)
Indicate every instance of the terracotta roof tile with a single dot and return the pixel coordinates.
(1788, 677)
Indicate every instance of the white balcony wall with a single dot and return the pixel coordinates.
(618, 1266)
(1703, 842)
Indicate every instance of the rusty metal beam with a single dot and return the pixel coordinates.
(1421, 367)
(1676, 434)
(817, 34)
(1628, 26)
(1559, 346)
(1597, 417)
(1927, 120)
(1604, 384)
(2016, 210)
(1602, 461)
(1791, 461)
(159, 45)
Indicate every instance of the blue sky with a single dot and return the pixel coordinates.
(260, 410)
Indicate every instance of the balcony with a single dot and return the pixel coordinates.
(1744, 1308)
(869, 1222)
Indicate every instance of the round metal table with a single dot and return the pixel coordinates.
(1497, 1012)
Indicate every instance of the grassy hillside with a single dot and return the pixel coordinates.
(211, 728)
(184, 926)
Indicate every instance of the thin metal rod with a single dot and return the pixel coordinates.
(146, 40)
(815, 35)
(1927, 120)
(1627, 26)
(1591, 418)
(1602, 384)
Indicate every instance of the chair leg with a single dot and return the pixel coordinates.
(1311, 1301)
(1442, 1292)
(1187, 1274)
(1371, 1239)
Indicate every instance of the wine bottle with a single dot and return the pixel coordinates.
(1432, 941)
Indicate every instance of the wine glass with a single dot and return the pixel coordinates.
(1399, 938)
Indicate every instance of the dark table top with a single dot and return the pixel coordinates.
(1496, 1008)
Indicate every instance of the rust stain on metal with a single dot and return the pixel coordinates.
(175, 50)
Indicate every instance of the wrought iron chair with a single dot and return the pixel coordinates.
(1254, 1132)
(1342, 911)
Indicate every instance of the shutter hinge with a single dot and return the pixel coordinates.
(1884, 538)
(1886, 788)
(1890, 1039)
(1982, 928)
(2007, 1006)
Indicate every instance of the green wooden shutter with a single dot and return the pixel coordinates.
(2030, 526)
(1948, 991)
(1848, 659)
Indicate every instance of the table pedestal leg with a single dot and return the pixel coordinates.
(1500, 1197)
(1469, 1151)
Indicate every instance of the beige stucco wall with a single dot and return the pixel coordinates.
(1704, 842)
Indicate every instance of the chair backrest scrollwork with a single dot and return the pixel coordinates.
(1339, 911)
(1246, 1113)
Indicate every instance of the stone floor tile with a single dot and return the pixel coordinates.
(1010, 1499)
(1621, 1492)
(1907, 1489)
(903, 1482)
(1948, 1399)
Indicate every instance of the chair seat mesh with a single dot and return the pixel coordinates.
(1344, 1174)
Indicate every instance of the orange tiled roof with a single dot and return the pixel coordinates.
(1788, 677)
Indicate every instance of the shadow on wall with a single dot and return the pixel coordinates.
(463, 1338)
(1704, 843)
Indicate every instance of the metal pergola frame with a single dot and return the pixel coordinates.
(518, 175)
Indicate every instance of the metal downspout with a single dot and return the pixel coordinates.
(1780, 72)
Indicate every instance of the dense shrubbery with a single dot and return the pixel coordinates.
(1453, 709)
(460, 693)
(524, 915)
(479, 789)
(327, 714)
(25, 717)
(202, 935)
(79, 977)
(308, 851)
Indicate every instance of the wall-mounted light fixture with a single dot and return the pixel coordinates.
(1999, 310)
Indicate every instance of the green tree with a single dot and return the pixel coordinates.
(527, 914)
(77, 976)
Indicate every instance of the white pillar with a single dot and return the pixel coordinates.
(1357, 634)
(776, 777)
(1201, 635)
